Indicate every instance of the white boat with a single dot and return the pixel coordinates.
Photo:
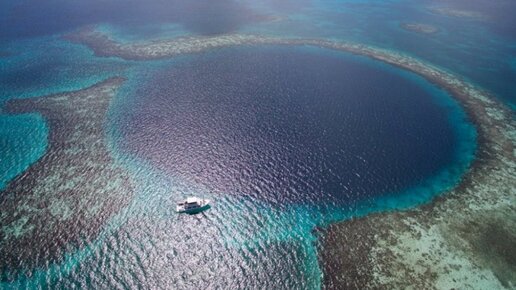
(193, 205)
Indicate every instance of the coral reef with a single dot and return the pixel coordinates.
(62, 201)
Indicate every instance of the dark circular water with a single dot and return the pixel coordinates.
(288, 124)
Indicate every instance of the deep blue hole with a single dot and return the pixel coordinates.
(289, 124)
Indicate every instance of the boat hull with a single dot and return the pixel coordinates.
(205, 206)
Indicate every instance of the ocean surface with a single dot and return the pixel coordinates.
(283, 139)
(286, 125)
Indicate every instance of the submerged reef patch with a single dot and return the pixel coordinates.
(62, 200)
(458, 13)
(420, 28)
(439, 245)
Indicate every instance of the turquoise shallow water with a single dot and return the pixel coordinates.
(22, 142)
(263, 246)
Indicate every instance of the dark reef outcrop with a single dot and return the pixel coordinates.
(420, 28)
(5, 54)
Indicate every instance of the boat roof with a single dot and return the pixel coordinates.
(192, 200)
